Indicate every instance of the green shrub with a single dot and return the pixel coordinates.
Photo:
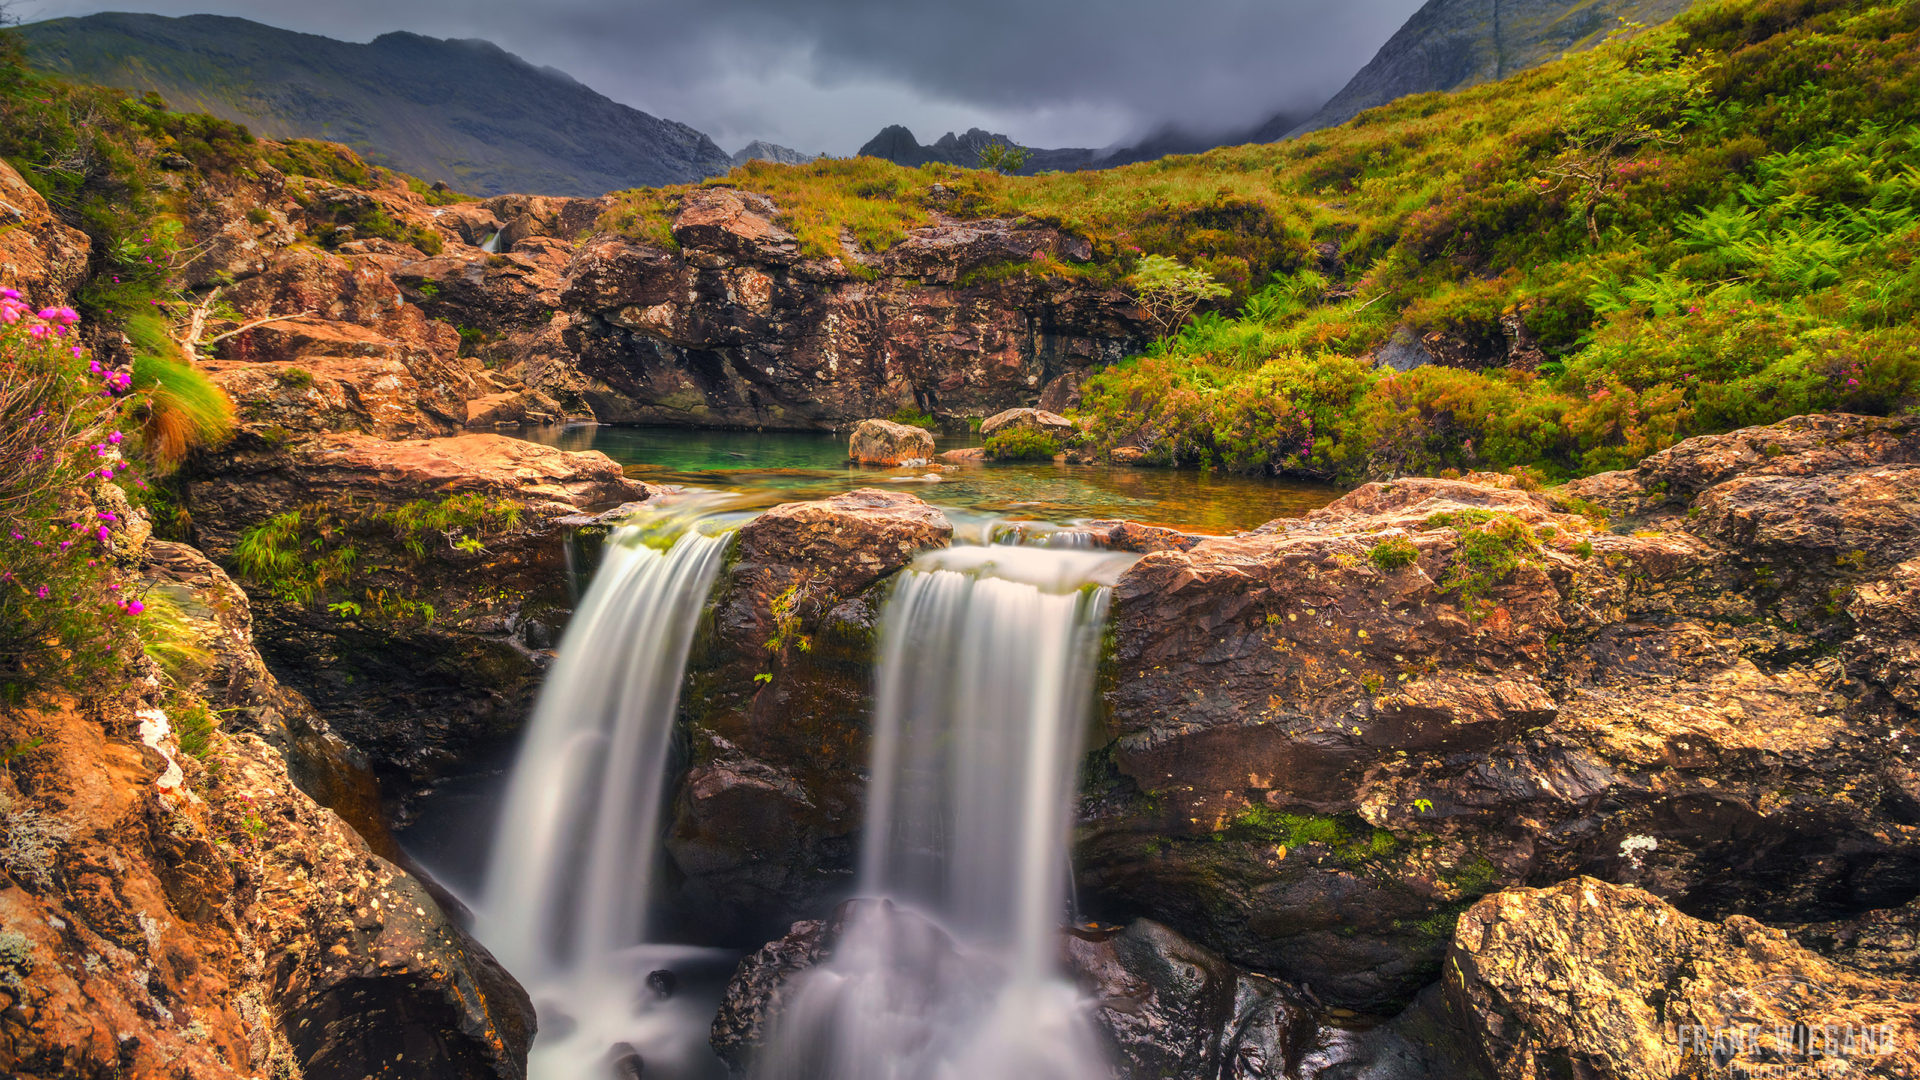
(1022, 444)
(1393, 554)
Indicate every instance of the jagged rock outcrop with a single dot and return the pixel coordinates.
(777, 700)
(1331, 735)
(39, 255)
(739, 327)
(181, 908)
(1592, 979)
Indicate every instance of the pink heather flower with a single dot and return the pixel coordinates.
(107, 516)
(11, 294)
(104, 534)
(115, 438)
(135, 607)
(1853, 382)
(43, 592)
(48, 313)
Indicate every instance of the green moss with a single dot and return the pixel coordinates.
(1353, 841)
(320, 551)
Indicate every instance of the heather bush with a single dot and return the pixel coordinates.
(62, 614)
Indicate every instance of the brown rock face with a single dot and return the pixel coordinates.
(39, 256)
(1592, 979)
(883, 442)
(415, 693)
(1331, 735)
(762, 825)
(739, 328)
(168, 917)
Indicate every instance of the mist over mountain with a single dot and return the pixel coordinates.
(466, 112)
(1449, 44)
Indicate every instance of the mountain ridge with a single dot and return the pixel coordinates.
(465, 111)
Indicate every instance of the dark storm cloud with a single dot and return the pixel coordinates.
(826, 74)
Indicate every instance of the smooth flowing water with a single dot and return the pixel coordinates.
(986, 673)
(570, 874)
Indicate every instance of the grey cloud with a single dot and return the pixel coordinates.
(825, 74)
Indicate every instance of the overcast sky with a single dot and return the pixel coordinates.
(825, 75)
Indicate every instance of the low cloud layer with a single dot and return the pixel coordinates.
(826, 74)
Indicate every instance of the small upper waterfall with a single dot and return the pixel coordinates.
(986, 672)
(491, 245)
(569, 877)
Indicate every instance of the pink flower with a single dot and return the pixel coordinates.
(43, 592)
(1853, 382)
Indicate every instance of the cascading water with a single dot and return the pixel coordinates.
(986, 671)
(568, 881)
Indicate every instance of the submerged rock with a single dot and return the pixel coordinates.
(883, 442)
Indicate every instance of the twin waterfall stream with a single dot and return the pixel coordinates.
(946, 968)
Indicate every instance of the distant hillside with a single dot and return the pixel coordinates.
(897, 144)
(760, 150)
(466, 112)
(1449, 44)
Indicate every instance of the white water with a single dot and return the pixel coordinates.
(491, 245)
(986, 671)
(571, 868)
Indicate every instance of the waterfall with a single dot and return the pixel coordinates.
(491, 245)
(986, 671)
(568, 881)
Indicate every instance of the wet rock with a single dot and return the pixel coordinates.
(883, 442)
(1036, 420)
(762, 825)
(1171, 1008)
(966, 455)
(626, 1063)
(1592, 979)
(1144, 539)
(755, 993)
(663, 983)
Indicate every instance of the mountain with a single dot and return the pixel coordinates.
(1454, 43)
(897, 144)
(760, 150)
(466, 112)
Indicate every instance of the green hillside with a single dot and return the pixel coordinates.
(465, 112)
(1692, 228)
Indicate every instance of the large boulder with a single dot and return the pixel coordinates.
(778, 695)
(883, 442)
(1606, 981)
(426, 649)
(1034, 420)
(1330, 736)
